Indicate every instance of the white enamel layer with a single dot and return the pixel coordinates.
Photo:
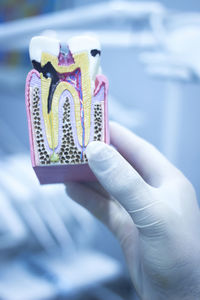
(41, 44)
(76, 45)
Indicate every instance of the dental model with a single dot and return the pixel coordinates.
(66, 103)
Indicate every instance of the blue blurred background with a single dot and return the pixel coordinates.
(151, 57)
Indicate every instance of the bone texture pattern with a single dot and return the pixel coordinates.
(66, 103)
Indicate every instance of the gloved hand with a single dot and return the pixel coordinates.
(151, 208)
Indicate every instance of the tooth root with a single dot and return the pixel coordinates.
(82, 61)
(55, 106)
(45, 85)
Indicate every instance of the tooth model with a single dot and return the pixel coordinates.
(66, 103)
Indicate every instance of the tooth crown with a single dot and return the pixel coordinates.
(66, 100)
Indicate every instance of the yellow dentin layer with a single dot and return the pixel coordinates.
(51, 120)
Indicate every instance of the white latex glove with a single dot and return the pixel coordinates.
(151, 208)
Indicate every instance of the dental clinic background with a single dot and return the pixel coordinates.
(50, 247)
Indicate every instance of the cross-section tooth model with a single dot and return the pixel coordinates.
(66, 102)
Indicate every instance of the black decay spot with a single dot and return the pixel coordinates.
(94, 52)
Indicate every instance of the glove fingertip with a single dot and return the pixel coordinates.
(97, 151)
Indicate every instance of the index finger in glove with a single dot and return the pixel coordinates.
(118, 177)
